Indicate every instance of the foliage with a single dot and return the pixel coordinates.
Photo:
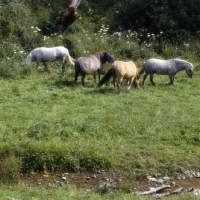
(9, 169)
(46, 124)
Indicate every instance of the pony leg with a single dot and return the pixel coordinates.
(76, 77)
(46, 69)
(114, 83)
(37, 64)
(95, 81)
(98, 74)
(151, 79)
(144, 78)
(130, 82)
(63, 66)
(171, 78)
(119, 83)
(83, 78)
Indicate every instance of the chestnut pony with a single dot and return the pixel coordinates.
(122, 70)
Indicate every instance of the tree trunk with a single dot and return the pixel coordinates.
(68, 16)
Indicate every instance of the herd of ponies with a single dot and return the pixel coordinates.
(119, 70)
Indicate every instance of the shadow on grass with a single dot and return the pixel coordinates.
(61, 83)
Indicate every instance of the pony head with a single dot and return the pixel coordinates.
(189, 69)
(28, 60)
(110, 57)
(137, 81)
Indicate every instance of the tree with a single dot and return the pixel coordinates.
(68, 16)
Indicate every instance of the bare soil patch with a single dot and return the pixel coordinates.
(106, 180)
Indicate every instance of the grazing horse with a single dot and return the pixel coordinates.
(165, 67)
(120, 70)
(44, 54)
(91, 65)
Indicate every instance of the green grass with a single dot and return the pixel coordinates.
(68, 192)
(46, 124)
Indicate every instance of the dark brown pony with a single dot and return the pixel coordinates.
(92, 64)
(122, 70)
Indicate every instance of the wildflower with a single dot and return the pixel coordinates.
(35, 31)
(38, 29)
(32, 26)
(21, 52)
(186, 44)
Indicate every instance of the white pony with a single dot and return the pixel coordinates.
(44, 54)
(165, 67)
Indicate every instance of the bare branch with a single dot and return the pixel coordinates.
(154, 190)
(75, 3)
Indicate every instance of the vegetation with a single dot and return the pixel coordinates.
(46, 125)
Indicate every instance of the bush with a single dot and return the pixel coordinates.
(39, 158)
(9, 169)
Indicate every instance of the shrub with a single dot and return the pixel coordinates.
(9, 168)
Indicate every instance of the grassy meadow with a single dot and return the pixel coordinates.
(47, 125)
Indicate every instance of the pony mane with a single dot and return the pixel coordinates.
(178, 59)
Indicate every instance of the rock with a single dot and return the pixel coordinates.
(63, 178)
(166, 178)
(61, 184)
(151, 179)
(196, 192)
(173, 183)
(179, 190)
(197, 175)
(94, 176)
(65, 174)
(159, 181)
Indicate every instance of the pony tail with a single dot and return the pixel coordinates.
(106, 77)
(142, 69)
(70, 59)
